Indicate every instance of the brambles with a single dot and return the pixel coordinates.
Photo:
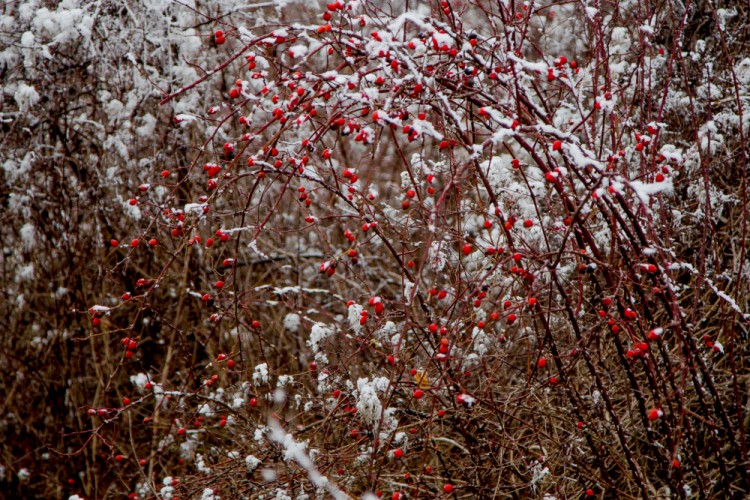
(387, 251)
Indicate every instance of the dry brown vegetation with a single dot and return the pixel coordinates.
(551, 376)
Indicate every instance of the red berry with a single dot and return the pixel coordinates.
(219, 284)
(399, 453)
(542, 362)
(655, 414)
(418, 394)
(134, 243)
(448, 488)
(467, 249)
(557, 145)
(114, 243)
(153, 242)
(655, 334)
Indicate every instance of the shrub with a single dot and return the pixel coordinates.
(417, 249)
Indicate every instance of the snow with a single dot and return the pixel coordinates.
(424, 127)
(284, 380)
(149, 48)
(195, 208)
(200, 464)
(184, 118)
(318, 333)
(208, 494)
(260, 374)
(15, 170)
(721, 294)
(437, 257)
(298, 51)
(353, 317)
(25, 273)
(369, 406)
(645, 190)
(132, 211)
(724, 15)
(292, 322)
(27, 39)
(139, 381)
(148, 126)
(620, 41)
(742, 70)
(26, 96)
(296, 451)
(252, 463)
(539, 472)
(408, 291)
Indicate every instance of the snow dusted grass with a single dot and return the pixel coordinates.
(403, 250)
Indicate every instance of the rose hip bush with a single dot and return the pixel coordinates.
(411, 249)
